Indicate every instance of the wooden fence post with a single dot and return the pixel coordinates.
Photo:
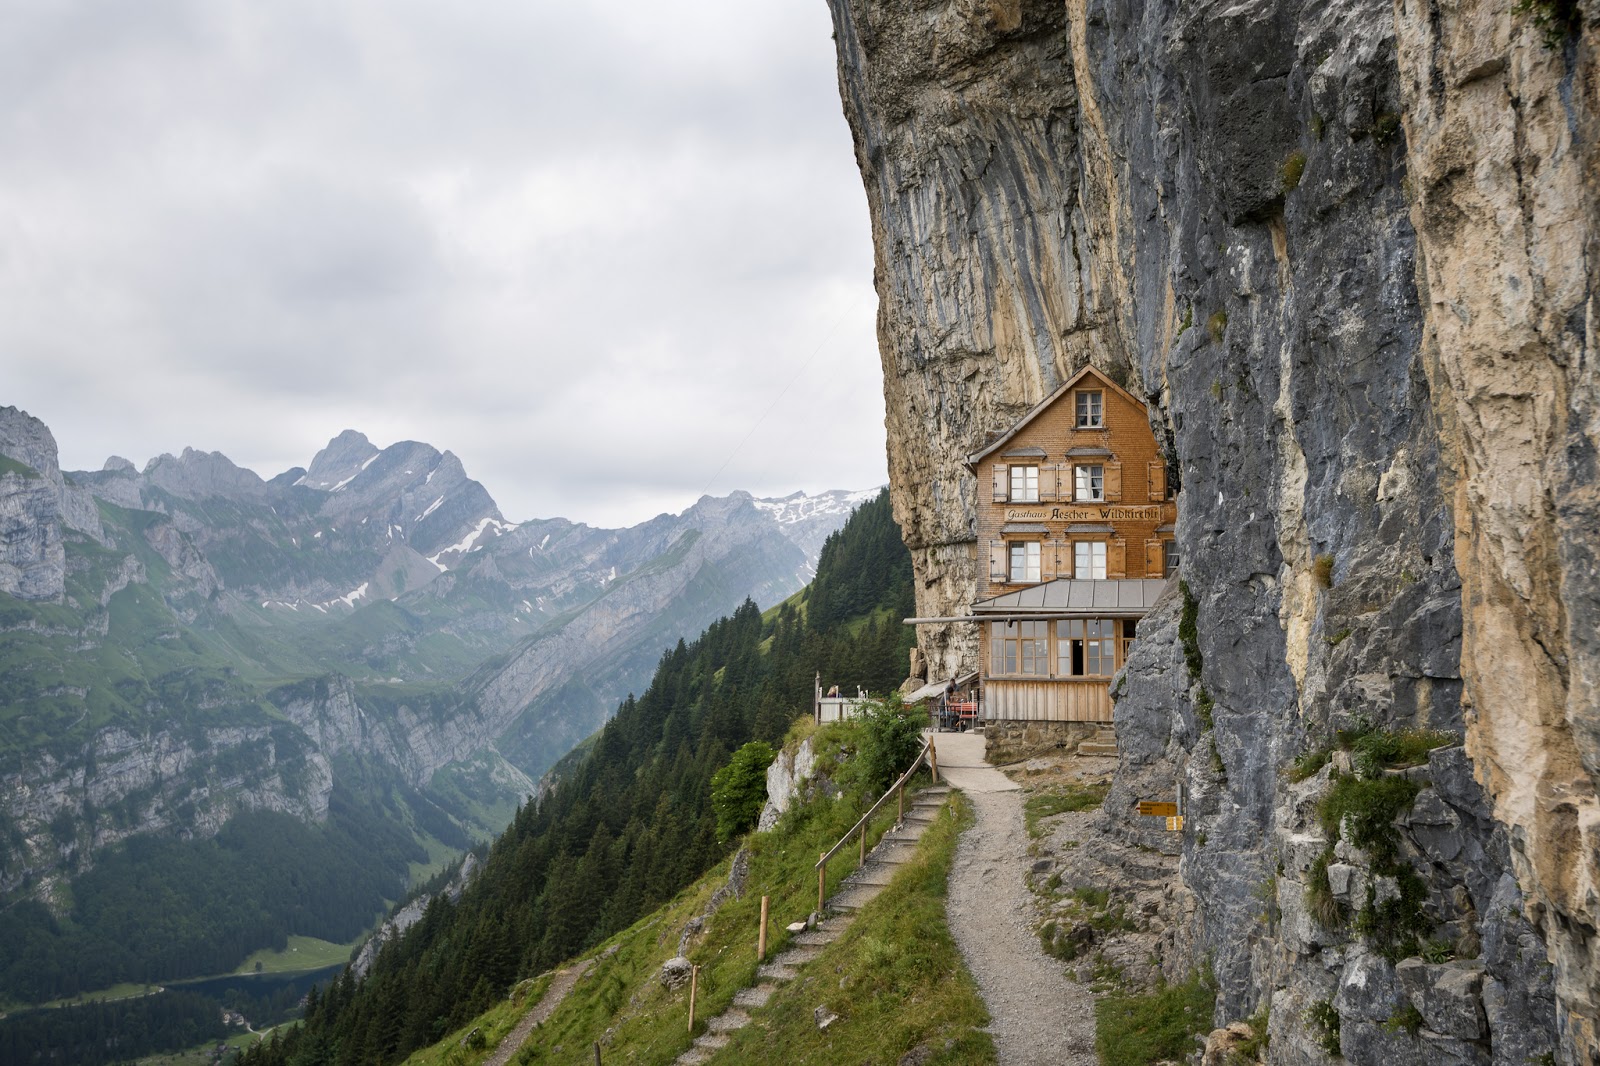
(822, 881)
(597, 1053)
(933, 760)
(900, 803)
(861, 859)
(761, 944)
(694, 982)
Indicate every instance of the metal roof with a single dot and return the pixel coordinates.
(935, 688)
(1069, 596)
(1026, 527)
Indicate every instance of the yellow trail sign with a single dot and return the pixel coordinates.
(1157, 809)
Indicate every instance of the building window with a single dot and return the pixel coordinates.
(1025, 561)
(1089, 560)
(1086, 647)
(1024, 484)
(1129, 626)
(1019, 648)
(1091, 483)
(1091, 413)
(1169, 558)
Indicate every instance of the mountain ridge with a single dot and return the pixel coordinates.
(188, 642)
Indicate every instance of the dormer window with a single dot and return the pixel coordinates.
(1091, 409)
(1024, 484)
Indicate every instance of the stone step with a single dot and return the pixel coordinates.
(694, 1056)
(754, 997)
(1091, 747)
(816, 938)
(773, 972)
(873, 873)
(712, 1041)
(854, 898)
(728, 1021)
(796, 956)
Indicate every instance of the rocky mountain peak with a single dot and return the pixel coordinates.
(27, 440)
(341, 460)
(196, 474)
(116, 464)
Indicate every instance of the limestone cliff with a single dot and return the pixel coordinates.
(1341, 249)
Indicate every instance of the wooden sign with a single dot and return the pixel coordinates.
(1175, 824)
(1158, 810)
(1081, 513)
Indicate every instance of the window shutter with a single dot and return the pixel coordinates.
(1158, 479)
(999, 565)
(1113, 481)
(1002, 483)
(1063, 558)
(1047, 481)
(1047, 561)
(1153, 561)
(1117, 558)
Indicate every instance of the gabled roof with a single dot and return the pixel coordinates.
(1043, 405)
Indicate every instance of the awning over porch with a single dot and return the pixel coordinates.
(935, 688)
(1069, 596)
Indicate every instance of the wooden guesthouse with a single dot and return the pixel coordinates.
(1075, 515)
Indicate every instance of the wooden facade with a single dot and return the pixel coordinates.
(1074, 497)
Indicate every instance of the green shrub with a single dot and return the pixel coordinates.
(1308, 762)
(1366, 809)
(1322, 569)
(739, 789)
(1407, 1017)
(891, 736)
(1395, 926)
(1189, 631)
(1217, 325)
(1324, 1017)
(1292, 170)
(1133, 1030)
(1320, 900)
(1398, 748)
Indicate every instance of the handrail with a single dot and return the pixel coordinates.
(929, 755)
(921, 755)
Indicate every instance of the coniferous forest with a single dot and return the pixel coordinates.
(631, 823)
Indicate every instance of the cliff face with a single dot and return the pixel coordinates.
(1340, 249)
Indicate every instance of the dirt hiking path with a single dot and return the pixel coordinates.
(560, 985)
(1040, 1018)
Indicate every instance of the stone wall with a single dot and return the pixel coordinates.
(1009, 742)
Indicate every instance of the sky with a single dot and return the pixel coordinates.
(613, 256)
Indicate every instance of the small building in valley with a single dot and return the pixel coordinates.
(1075, 514)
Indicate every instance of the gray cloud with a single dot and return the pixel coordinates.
(584, 248)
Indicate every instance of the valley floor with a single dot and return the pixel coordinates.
(1039, 1015)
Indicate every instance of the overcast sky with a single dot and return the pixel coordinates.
(585, 247)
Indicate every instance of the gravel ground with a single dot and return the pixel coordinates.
(1040, 1018)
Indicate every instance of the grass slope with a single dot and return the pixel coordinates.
(906, 984)
(901, 983)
